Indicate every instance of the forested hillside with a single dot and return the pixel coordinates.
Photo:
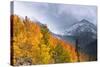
(32, 43)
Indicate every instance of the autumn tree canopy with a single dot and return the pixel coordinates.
(32, 43)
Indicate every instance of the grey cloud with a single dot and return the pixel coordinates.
(58, 17)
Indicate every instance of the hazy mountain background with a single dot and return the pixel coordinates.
(86, 34)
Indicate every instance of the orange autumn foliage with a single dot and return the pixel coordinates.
(33, 40)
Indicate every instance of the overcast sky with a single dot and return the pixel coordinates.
(58, 17)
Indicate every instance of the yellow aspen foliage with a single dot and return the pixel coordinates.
(32, 43)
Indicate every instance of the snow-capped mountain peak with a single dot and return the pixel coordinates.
(82, 26)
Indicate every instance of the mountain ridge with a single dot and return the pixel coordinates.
(81, 25)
